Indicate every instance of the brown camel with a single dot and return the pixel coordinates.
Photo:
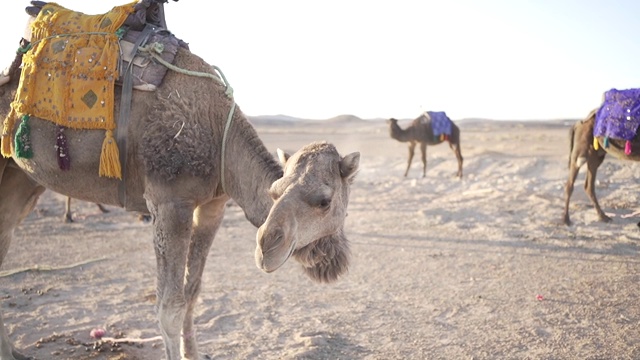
(180, 172)
(68, 215)
(581, 151)
(421, 132)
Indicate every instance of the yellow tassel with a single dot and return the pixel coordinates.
(7, 130)
(110, 157)
(595, 143)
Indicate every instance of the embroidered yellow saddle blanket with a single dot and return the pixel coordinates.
(68, 75)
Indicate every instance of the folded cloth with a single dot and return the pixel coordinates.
(440, 123)
(619, 115)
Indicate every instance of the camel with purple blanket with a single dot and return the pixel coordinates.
(430, 128)
(610, 129)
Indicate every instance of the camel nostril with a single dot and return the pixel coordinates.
(274, 243)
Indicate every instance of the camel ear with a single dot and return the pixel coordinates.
(349, 166)
(282, 156)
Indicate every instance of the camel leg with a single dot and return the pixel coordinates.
(593, 162)
(68, 218)
(574, 168)
(172, 231)
(18, 196)
(456, 150)
(206, 220)
(412, 148)
(423, 151)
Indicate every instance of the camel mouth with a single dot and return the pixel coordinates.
(264, 262)
(272, 251)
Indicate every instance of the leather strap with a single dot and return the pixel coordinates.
(125, 113)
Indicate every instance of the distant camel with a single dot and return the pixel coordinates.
(582, 151)
(421, 131)
(68, 216)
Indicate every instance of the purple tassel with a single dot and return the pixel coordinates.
(62, 148)
(627, 147)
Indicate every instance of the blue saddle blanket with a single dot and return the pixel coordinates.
(440, 123)
(619, 115)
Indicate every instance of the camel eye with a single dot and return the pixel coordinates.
(324, 203)
(320, 199)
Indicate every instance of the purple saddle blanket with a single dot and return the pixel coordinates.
(440, 123)
(619, 115)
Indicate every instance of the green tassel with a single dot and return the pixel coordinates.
(23, 139)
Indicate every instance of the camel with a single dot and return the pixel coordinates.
(68, 215)
(582, 151)
(420, 131)
(186, 158)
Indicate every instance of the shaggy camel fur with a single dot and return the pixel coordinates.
(581, 151)
(175, 173)
(421, 132)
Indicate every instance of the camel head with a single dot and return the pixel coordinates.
(394, 129)
(307, 216)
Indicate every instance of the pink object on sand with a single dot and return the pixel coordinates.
(97, 333)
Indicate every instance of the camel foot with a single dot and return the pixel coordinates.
(566, 221)
(102, 208)
(19, 356)
(605, 218)
(68, 219)
(145, 218)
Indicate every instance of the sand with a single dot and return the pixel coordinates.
(478, 268)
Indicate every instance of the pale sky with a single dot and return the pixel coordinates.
(496, 59)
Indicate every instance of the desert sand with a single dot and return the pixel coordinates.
(442, 268)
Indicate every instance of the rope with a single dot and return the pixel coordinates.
(7, 273)
(155, 49)
(224, 144)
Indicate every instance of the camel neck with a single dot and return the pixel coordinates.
(250, 169)
(399, 133)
